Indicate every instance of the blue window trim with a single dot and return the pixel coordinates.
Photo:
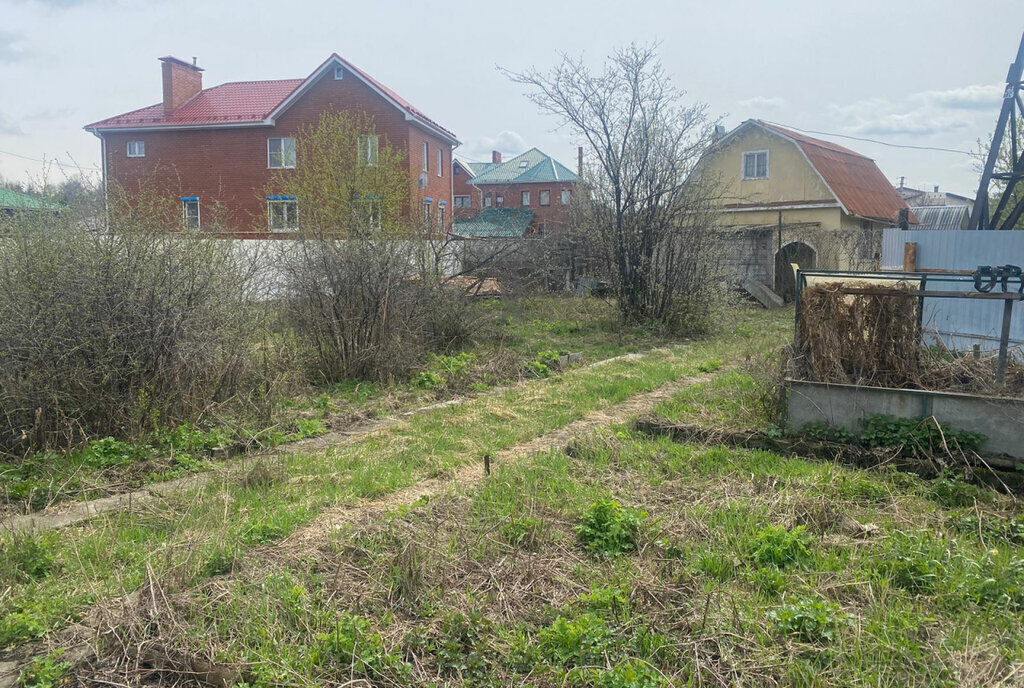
(185, 199)
(280, 198)
(428, 200)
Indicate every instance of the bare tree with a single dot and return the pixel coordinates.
(651, 214)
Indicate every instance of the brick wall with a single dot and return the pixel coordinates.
(180, 82)
(227, 167)
(551, 217)
(462, 187)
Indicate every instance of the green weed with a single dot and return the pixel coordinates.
(778, 547)
(45, 672)
(809, 620)
(608, 528)
(358, 651)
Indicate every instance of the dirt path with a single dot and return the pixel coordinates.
(73, 512)
(469, 475)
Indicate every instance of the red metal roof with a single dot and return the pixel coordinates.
(855, 179)
(244, 102)
(232, 103)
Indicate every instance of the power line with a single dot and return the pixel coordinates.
(881, 143)
(54, 160)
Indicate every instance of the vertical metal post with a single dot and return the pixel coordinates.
(920, 310)
(1004, 341)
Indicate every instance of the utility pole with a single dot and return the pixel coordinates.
(1012, 104)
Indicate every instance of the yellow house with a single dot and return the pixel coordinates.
(813, 202)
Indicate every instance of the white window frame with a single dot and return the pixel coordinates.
(566, 196)
(440, 218)
(282, 153)
(185, 203)
(426, 157)
(499, 200)
(426, 214)
(371, 208)
(291, 224)
(541, 195)
(463, 201)
(488, 202)
(135, 149)
(440, 162)
(743, 164)
(339, 72)
(369, 150)
(524, 199)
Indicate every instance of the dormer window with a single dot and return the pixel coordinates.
(339, 73)
(755, 165)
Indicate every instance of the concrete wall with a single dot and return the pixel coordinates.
(1001, 420)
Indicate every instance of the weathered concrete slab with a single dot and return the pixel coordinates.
(765, 296)
(998, 418)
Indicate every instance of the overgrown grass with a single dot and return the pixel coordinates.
(517, 339)
(750, 569)
(181, 537)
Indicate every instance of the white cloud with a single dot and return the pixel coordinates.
(973, 97)
(9, 127)
(9, 50)
(763, 103)
(930, 113)
(507, 142)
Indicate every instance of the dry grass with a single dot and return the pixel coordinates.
(877, 341)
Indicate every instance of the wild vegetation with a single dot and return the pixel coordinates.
(523, 534)
(645, 214)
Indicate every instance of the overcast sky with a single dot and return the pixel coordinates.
(918, 73)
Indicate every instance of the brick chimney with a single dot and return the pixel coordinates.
(181, 81)
(495, 156)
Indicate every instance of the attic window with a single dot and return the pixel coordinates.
(523, 164)
(755, 165)
(339, 73)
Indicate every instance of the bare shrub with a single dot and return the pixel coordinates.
(365, 310)
(116, 332)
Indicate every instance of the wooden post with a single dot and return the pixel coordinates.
(1004, 342)
(910, 256)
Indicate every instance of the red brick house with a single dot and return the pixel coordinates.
(534, 185)
(219, 147)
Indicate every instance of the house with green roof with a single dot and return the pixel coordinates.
(12, 202)
(527, 195)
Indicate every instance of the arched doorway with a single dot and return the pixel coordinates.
(795, 252)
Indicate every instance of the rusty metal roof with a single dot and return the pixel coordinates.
(855, 179)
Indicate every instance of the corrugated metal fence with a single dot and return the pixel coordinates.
(961, 322)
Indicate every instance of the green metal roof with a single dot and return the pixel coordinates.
(495, 223)
(22, 201)
(531, 166)
(476, 168)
